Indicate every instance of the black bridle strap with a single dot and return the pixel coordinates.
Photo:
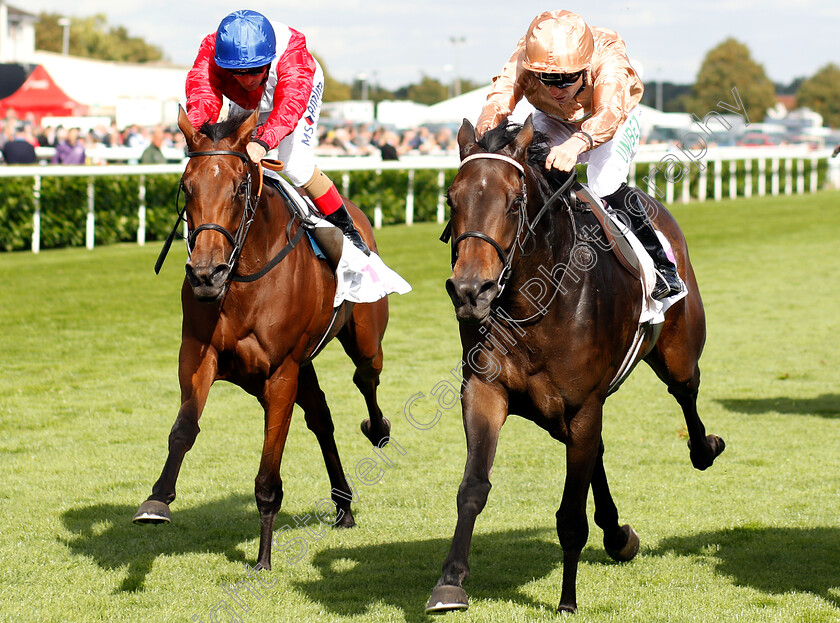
(482, 236)
(273, 261)
(219, 152)
(559, 194)
(211, 226)
(168, 242)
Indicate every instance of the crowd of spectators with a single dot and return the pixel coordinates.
(72, 145)
(370, 139)
(20, 136)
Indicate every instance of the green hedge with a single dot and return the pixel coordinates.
(116, 199)
(64, 201)
(64, 206)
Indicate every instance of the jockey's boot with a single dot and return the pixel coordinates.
(341, 218)
(627, 202)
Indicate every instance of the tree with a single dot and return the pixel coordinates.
(91, 37)
(726, 66)
(428, 91)
(334, 91)
(821, 93)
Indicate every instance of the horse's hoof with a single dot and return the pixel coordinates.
(445, 598)
(566, 608)
(346, 520)
(703, 461)
(152, 511)
(368, 432)
(630, 549)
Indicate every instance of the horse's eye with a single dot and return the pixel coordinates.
(449, 203)
(518, 203)
(243, 188)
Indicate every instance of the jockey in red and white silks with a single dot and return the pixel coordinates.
(264, 65)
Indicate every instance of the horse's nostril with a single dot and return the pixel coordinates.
(470, 292)
(220, 273)
(486, 289)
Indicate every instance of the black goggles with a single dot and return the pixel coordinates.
(561, 81)
(250, 71)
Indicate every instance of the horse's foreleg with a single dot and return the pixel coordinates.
(362, 341)
(621, 542)
(572, 526)
(278, 401)
(319, 421)
(485, 411)
(196, 373)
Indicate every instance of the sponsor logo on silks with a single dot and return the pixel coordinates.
(314, 102)
(311, 112)
(629, 142)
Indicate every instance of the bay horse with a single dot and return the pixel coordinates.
(553, 366)
(255, 309)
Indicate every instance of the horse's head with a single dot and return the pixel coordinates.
(220, 185)
(488, 199)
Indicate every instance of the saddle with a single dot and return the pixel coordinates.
(615, 233)
(327, 242)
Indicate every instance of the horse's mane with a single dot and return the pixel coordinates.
(224, 128)
(502, 135)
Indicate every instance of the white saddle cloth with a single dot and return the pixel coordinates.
(359, 278)
(653, 311)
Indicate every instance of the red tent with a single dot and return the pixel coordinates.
(41, 96)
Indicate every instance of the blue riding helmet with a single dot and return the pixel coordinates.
(245, 39)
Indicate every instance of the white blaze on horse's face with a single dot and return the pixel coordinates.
(216, 170)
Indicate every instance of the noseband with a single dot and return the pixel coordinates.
(506, 256)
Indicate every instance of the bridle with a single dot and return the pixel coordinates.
(507, 256)
(236, 239)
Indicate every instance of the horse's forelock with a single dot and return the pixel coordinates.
(502, 135)
(225, 128)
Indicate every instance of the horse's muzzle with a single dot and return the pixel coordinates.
(471, 297)
(208, 280)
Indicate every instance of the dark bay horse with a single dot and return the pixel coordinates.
(255, 321)
(554, 363)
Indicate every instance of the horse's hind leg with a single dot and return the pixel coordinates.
(196, 375)
(361, 338)
(674, 359)
(582, 452)
(319, 421)
(621, 542)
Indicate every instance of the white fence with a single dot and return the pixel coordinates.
(671, 175)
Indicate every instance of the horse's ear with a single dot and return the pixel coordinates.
(185, 124)
(523, 140)
(466, 139)
(243, 134)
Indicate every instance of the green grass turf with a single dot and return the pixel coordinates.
(89, 391)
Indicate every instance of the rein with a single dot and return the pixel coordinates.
(237, 239)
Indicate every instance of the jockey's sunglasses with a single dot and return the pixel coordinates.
(561, 81)
(251, 71)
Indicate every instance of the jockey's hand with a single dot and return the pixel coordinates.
(481, 129)
(255, 151)
(565, 155)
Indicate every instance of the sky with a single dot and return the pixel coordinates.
(395, 42)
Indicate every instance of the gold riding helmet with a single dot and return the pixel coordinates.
(558, 43)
